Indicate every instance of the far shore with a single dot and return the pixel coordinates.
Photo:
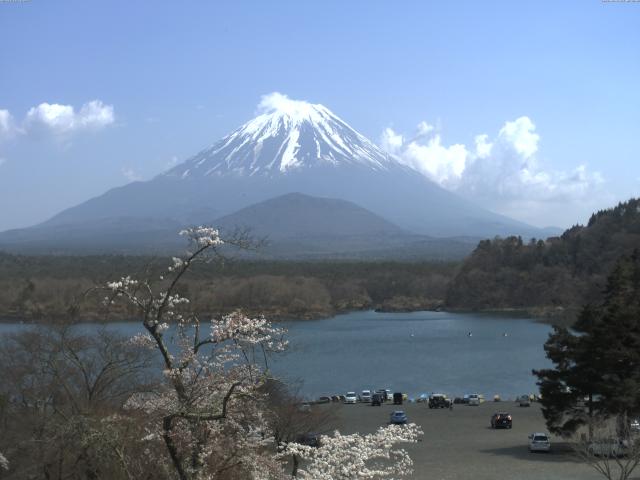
(546, 315)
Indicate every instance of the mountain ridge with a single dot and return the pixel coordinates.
(293, 147)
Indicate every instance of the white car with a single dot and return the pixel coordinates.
(474, 400)
(365, 396)
(539, 442)
(524, 401)
(351, 397)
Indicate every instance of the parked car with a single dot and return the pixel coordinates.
(501, 420)
(309, 439)
(608, 447)
(376, 400)
(365, 396)
(389, 394)
(397, 398)
(524, 401)
(398, 418)
(423, 397)
(383, 394)
(351, 397)
(439, 400)
(473, 400)
(539, 442)
(324, 400)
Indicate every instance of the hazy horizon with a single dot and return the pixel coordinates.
(531, 111)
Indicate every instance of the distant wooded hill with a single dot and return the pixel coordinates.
(558, 273)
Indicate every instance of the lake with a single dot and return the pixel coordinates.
(413, 352)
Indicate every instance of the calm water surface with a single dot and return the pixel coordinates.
(409, 352)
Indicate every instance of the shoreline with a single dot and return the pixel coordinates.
(536, 314)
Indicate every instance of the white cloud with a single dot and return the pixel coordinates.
(276, 101)
(130, 174)
(424, 129)
(63, 119)
(7, 125)
(521, 135)
(426, 153)
(502, 172)
(443, 164)
(391, 141)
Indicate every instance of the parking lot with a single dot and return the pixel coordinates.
(459, 444)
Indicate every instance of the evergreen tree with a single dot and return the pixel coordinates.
(597, 363)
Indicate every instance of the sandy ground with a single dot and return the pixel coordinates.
(460, 445)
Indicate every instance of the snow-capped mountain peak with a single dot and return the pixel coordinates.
(287, 135)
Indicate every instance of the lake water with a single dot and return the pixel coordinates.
(410, 352)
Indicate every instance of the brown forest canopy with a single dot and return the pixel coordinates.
(565, 271)
(42, 286)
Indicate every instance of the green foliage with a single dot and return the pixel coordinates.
(597, 363)
(558, 273)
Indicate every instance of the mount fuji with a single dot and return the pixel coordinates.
(290, 147)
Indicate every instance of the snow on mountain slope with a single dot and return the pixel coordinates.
(289, 135)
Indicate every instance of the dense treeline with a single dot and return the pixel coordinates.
(35, 286)
(551, 277)
(555, 275)
(596, 361)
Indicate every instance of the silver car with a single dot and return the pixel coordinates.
(539, 442)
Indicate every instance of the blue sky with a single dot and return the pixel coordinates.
(553, 85)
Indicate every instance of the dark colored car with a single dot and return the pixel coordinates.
(397, 398)
(309, 439)
(376, 400)
(398, 418)
(439, 400)
(501, 420)
(383, 394)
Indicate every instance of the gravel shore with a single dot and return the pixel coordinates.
(460, 445)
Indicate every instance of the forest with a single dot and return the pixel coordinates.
(45, 287)
(549, 278)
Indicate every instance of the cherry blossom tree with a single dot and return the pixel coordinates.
(206, 414)
(357, 456)
(206, 421)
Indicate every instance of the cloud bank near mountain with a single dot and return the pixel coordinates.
(503, 171)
